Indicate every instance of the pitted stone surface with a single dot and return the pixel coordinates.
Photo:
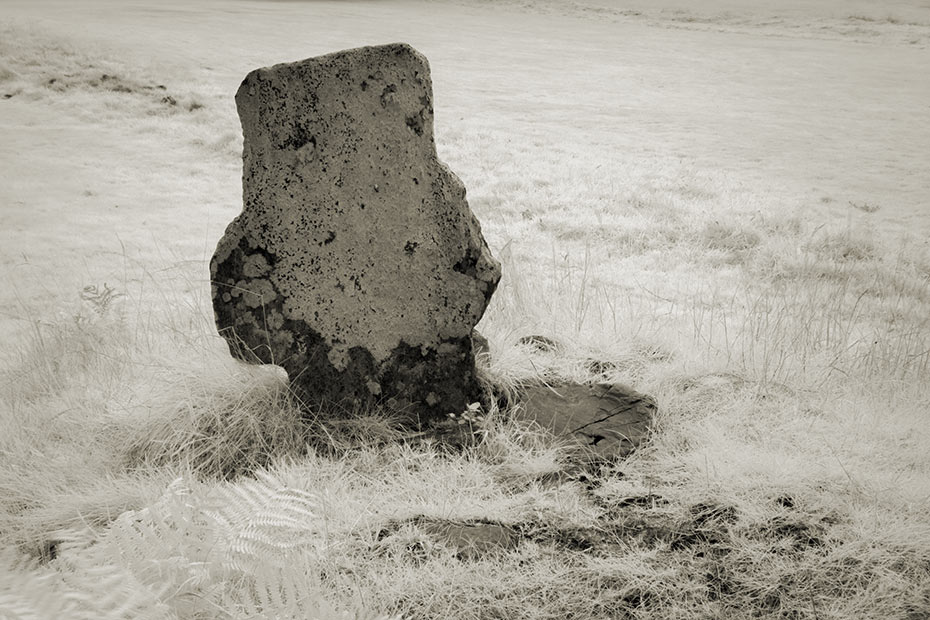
(356, 263)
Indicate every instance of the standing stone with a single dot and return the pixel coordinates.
(356, 263)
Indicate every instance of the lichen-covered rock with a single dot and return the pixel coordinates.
(356, 263)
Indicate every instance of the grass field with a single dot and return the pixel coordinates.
(723, 206)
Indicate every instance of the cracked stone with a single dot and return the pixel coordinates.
(606, 420)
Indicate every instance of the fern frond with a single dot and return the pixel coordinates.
(110, 591)
(244, 550)
(272, 538)
(290, 594)
(150, 563)
(263, 522)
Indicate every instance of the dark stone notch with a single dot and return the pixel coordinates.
(300, 138)
(468, 265)
(415, 123)
(386, 98)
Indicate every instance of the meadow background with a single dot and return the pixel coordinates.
(724, 205)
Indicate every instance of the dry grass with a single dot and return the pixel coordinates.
(787, 478)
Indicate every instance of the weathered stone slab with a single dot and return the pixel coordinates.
(607, 421)
(356, 263)
(471, 540)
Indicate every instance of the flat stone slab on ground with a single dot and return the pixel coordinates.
(471, 540)
(356, 263)
(608, 420)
